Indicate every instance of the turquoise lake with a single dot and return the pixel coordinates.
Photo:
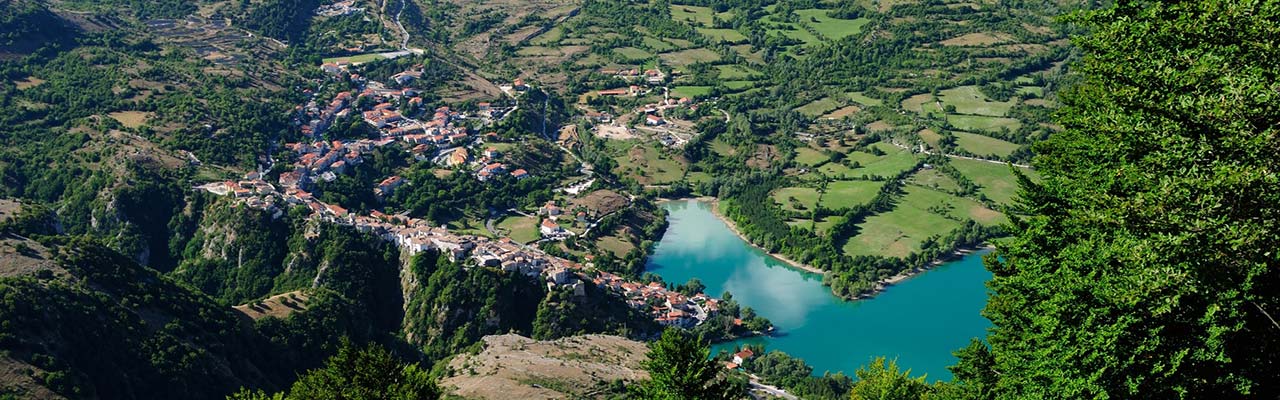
(919, 321)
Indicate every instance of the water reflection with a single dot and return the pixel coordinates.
(920, 321)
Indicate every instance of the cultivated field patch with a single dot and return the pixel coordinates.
(691, 56)
(843, 194)
(984, 145)
(796, 198)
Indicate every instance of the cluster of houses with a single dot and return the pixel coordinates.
(651, 76)
(739, 358)
(669, 308)
(632, 90)
(443, 140)
(416, 235)
(440, 138)
(255, 192)
(343, 7)
(321, 160)
(552, 215)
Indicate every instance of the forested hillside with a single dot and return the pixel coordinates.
(1146, 267)
(1142, 264)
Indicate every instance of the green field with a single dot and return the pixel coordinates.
(819, 107)
(900, 232)
(722, 148)
(932, 178)
(744, 92)
(615, 244)
(357, 59)
(551, 36)
(842, 194)
(698, 177)
(745, 50)
(657, 45)
(978, 122)
(808, 156)
(1037, 91)
(520, 229)
(894, 162)
(536, 51)
(723, 35)
(633, 54)
(701, 15)
(649, 166)
(836, 170)
(690, 91)
(824, 226)
(469, 226)
(995, 181)
(739, 85)
(930, 137)
(691, 56)
(805, 197)
(831, 28)
(984, 145)
(863, 99)
(735, 72)
(799, 34)
(969, 100)
(922, 104)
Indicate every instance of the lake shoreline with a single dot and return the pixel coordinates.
(922, 320)
(881, 285)
(715, 210)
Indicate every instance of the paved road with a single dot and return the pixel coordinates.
(488, 226)
(770, 389)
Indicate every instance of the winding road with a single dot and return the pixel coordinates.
(756, 385)
(404, 41)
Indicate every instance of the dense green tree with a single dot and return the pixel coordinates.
(680, 367)
(358, 374)
(1149, 268)
(881, 380)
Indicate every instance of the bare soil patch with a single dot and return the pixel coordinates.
(764, 156)
(615, 132)
(516, 367)
(28, 83)
(879, 126)
(278, 306)
(843, 112)
(22, 257)
(130, 119)
(977, 39)
(601, 202)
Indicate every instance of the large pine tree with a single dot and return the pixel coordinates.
(1150, 265)
(680, 368)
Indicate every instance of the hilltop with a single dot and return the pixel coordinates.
(591, 366)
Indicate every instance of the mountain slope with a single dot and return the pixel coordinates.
(512, 366)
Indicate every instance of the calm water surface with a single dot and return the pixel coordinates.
(919, 321)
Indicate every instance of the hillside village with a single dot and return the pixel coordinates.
(444, 141)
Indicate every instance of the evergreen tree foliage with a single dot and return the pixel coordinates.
(881, 380)
(357, 374)
(680, 367)
(1149, 267)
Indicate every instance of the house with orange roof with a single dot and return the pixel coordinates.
(458, 157)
